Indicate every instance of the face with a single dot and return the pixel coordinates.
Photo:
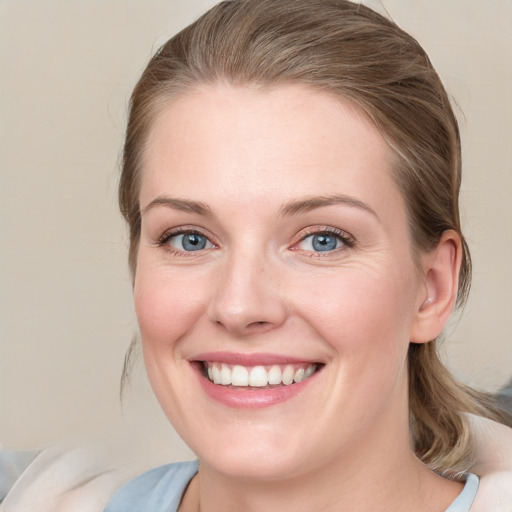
(275, 261)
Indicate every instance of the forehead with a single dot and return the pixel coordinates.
(264, 145)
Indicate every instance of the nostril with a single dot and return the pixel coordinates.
(258, 326)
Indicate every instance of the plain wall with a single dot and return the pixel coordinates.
(66, 319)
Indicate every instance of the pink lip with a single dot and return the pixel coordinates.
(248, 359)
(244, 398)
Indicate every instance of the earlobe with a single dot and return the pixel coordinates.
(437, 298)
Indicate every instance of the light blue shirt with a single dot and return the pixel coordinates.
(161, 489)
(158, 490)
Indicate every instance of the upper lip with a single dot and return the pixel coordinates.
(249, 359)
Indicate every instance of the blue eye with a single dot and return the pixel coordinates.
(321, 242)
(190, 242)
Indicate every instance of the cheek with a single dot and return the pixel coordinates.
(166, 306)
(366, 318)
(361, 310)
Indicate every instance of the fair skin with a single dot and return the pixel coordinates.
(272, 228)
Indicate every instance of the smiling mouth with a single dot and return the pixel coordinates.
(258, 377)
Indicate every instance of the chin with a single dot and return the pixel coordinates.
(263, 453)
(255, 465)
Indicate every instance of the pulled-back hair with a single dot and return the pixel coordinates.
(348, 50)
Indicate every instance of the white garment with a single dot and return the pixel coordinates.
(64, 480)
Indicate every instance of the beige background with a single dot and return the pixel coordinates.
(66, 70)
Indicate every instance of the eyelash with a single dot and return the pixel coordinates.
(347, 240)
(164, 240)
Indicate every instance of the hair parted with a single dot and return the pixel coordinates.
(348, 50)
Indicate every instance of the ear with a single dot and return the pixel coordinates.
(436, 300)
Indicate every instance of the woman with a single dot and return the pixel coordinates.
(290, 179)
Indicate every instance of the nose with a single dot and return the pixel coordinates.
(248, 299)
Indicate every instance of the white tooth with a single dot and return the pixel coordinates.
(258, 377)
(309, 371)
(288, 375)
(216, 374)
(299, 375)
(274, 375)
(239, 376)
(210, 373)
(225, 375)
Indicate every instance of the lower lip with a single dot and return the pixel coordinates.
(254, 398)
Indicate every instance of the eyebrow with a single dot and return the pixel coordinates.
(290, 208)
(311, 203)
(179, 204)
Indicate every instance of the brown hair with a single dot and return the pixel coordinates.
(348, 50)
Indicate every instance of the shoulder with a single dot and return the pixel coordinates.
(63, 478)
(159, 489)
(12, 466)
